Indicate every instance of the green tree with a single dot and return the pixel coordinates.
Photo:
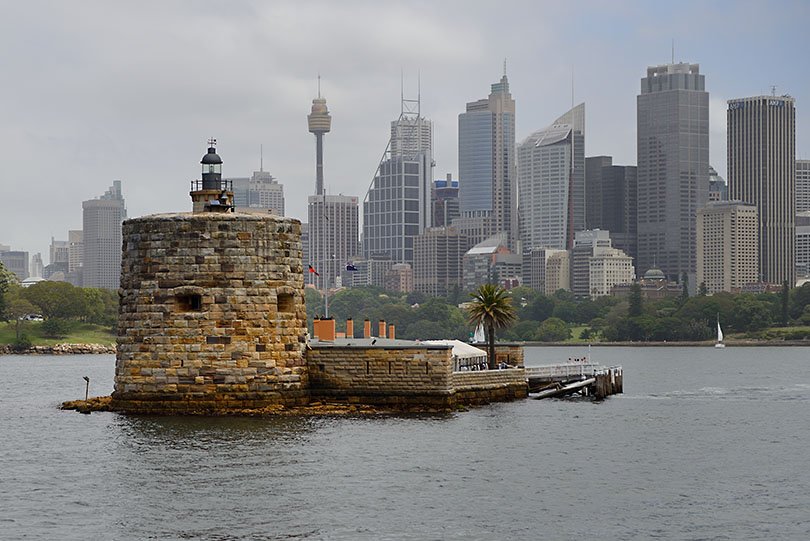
(7, 280)
(785, 298)
(799, 299)
(553, 330)
(16, 308)
(540, 308)
(635, 301)
(685, 286)
(492, 308)
(702, 289)
(56, 299)
(565, 310)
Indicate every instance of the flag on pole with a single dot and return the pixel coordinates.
(313, 271)
(350, 267)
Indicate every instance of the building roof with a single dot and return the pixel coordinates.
(461, 350)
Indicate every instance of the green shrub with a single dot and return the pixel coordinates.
(55, 328)
(21, 344)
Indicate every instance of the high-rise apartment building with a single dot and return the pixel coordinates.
(437, 261)
(102, 220)
(762, 172)
(727, 256)
(333, 234)
(486, 161)
(397, 207)
(611, 201)
(551, 183)
(802, 185)
(673, 166)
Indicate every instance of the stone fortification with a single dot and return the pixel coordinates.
(398, 372)
(212, 314)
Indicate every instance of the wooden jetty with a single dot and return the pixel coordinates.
(585, 379)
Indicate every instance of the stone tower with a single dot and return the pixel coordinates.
(212, 314)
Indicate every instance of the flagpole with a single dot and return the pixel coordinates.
(326, 295)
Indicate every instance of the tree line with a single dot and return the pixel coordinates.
(60, 305)
(553, 318)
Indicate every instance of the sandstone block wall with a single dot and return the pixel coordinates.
(489, 385)
(417, 375)
(212, 313)
(408, 375)
(511, 354)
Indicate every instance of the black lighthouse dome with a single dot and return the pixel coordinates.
(211, 168)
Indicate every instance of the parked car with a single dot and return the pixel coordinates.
(32, 317)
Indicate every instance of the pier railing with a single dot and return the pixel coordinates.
(563, 371)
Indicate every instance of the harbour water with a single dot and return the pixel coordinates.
(703, 444)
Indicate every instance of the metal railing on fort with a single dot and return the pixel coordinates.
(197, 185)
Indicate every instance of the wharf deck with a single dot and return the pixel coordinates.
(586, 379)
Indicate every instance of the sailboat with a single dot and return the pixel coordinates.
(479, 337)
(719, 343)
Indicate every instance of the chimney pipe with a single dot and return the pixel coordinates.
(382, 328)
(349, 328)
(391, 331)
(367, 328)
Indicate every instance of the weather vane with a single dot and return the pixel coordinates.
(212, 142)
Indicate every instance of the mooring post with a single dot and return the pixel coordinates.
(86, 388)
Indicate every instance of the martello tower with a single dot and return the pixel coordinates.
(212, 314)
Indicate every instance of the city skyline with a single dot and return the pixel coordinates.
(120, 99)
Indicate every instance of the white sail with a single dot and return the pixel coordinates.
(719, 333)
(479, 335)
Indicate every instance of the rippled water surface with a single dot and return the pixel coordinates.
(704, 444)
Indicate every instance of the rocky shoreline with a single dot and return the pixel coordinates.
(61, 349)
(104, 403)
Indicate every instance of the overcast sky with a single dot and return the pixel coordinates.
(94, 91)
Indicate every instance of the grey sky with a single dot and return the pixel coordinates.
(96, 90)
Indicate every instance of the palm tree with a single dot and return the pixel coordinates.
(491, 307)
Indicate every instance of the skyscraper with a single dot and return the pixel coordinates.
(673, 166)
(486, 161)
(611, 201)
(762, 172)
(397, 208)
(551, 183)
(101, 220)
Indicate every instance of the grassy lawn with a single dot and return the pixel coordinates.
(80, 333)
(575, 335)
